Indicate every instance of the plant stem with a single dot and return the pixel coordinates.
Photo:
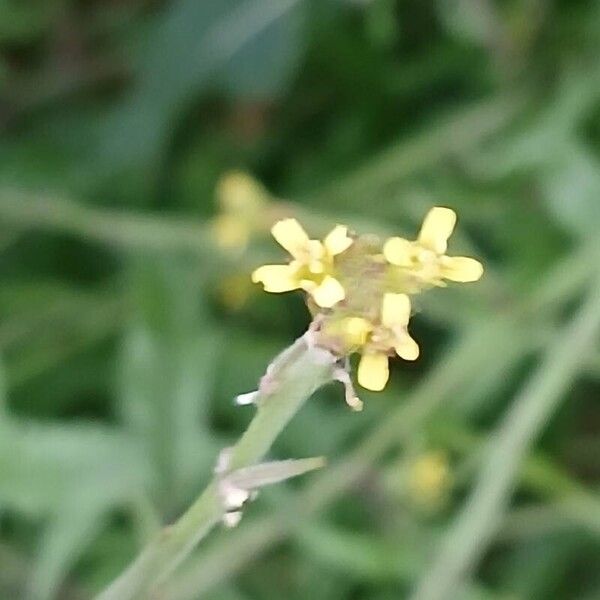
(292, 378)
(483, 511)
(121, 229)
(464, 363)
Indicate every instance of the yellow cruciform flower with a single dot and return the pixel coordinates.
(312, 267)
(391, 334)
(243, 204)
(426, 259)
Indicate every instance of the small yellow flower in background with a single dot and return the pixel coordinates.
(429, 479)
(243, 203)
(425, 259)
(238, 192)
(230, 232)
(312, 268)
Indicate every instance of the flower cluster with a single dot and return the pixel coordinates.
(312, 268)
(359, 288)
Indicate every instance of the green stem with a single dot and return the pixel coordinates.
(452, 377)
(291, 380)
(477, 523)
(121, 229)
(449, 135)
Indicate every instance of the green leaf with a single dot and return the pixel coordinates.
(71, 528)
(248, 46)
(167, 371)
(359, 555)
(42, 465)
(269, 473)
(572, 189)
(22, 22)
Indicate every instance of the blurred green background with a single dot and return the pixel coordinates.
(127, 326)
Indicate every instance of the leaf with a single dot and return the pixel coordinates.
(167, 372)
(3, 412)
(247, 46)
(41, 465)
(359, 555)
(24, 21)
(546, 138)
(70, 530)
(72, 476)
(257, 476)
(265, 67)
(572, 190)
(472, 21)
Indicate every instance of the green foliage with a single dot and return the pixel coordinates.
(120, 355)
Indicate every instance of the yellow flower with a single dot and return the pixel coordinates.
(425, 259)
(374, 281)
(238, 192)
(429, 478)
(230, 232)
(356, 331)
(243, 202)
(390, 335)
(312, 267)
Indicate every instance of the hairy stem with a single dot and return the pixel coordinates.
(290, 381)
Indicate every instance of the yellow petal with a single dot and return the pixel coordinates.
(407, 348)
(239, 193)
(395, 310)
(337, 241)
(316, 266)
(461, 269)
(308, 285)
(398, 251)
(437, 228)
(313, 256)
(230, 232)
(373, 371)
(290, 234)
(356, 331)
(276, 278)
(315, 249)
(329, 293)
